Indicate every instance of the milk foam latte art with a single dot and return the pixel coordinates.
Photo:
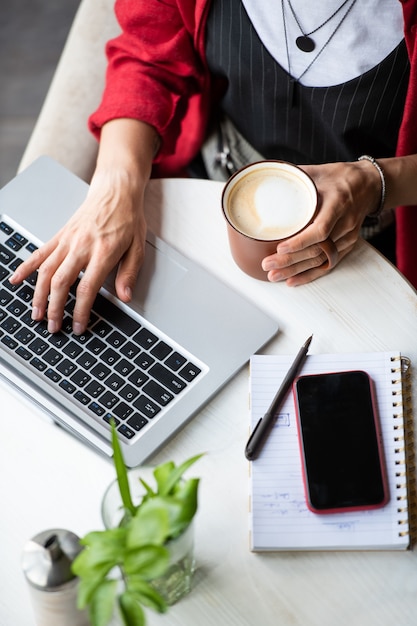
(270, 203)
(264, 203)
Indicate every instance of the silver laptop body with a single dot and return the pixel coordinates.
(177, 305)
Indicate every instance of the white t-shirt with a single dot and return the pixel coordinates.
(371, 30)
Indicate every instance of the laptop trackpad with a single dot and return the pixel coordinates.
(157, 277)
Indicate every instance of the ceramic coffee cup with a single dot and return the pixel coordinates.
(265, 203)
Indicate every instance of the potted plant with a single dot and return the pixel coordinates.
(123, 567)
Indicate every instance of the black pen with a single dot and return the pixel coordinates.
(265, 424)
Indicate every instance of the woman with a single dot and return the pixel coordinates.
(317, 85)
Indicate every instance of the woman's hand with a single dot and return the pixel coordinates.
(347, 192)
(107, 230)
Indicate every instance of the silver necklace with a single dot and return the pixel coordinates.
(305, 42)
(297, 80)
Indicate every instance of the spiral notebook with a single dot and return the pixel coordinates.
(279, 518)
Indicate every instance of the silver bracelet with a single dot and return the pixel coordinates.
(375, 214)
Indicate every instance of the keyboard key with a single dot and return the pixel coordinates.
(175, 361)
(110, 356)
(145, 338)
(96, 345)
(58, 339)
(52, 375)
(128, 393)
(28, 321)
(52, 356)
(84, 337)
(138, 378)
(72, 349)
(167, 378)
(23, 353)
(32, 278)
(116, 339)
(25, 293)
(42, 328)
(109, 418)
(66, 367)
(189, 372)
(114, 382)
(123, 410)
(5, 297)
(94, 389)
(10, 325)
(38, 364)
(9, 286)
(96, 408)
(38, 345)
(157, 393)
(144, 360)
(20, 238)
(80, 378)
(81, 397)
(86, 360)
(6, 256)
(108, 399)
(67, 386)
(146, 407)
(161, 350)
(137, 422)
(5, 228)
(130, 350)
(102, 329)
(111, 313)
(17, 308)
(15, 264)
(31, 247)
(24, 335)
(100, 371)
(124, 367)
(126, 431)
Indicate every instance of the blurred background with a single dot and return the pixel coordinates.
(32, 35)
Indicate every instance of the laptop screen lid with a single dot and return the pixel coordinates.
(181, 302)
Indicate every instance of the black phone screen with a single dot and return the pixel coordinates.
(339, 441)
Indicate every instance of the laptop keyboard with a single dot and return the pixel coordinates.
(121, 368)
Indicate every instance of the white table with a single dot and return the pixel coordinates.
(55, 481)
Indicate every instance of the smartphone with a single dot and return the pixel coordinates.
(340, 442)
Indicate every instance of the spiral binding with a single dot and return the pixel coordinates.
(404, 448)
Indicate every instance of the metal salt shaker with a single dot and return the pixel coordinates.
(46, 563)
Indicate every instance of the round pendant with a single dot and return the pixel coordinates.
(305, 43)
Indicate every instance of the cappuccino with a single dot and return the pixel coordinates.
(271, 202)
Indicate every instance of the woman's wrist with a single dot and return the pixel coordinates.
(128, 146)
(401, 180)
(375, 214)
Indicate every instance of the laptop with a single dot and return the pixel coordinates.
(149, 366)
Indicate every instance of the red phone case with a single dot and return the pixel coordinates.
(385, 499)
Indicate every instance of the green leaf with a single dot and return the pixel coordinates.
(102, 552)
(149, 491)
(167, 475)
(149, 526)
(148, 561)
(102, 603)
(121, 472)
(187, 495)
(86, 590)
(146, 594)
(130, 609)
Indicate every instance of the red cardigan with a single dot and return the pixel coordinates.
(157, 73)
